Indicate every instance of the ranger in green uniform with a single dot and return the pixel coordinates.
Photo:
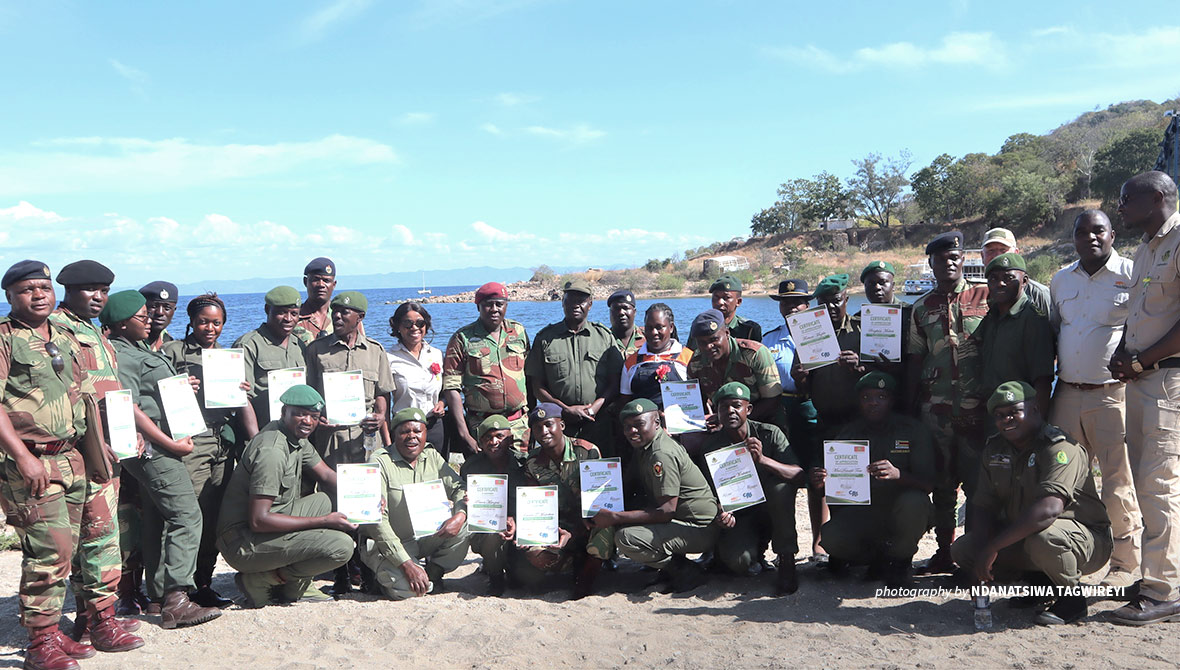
(276, 540)
(885, 533)
(1036, 504)
(272, 346)
(726, 294)
(406, 565)
(683, 507)
(483, 370)
(723, 358)
(744, 533)
(495, 458)
(555, 463)
(877, 278)
(161, 297)
(573, 363)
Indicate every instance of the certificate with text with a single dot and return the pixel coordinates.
(223, 371)
(358, 492)
(815, 339)
(121, 424)
(847, 464)
(684, 412)
(602, 486)
(428, 505)
(880, 332)
(487, 503)
(536, 516)
(735, 477)
(180, 407)
(277, 383)
(344, 395)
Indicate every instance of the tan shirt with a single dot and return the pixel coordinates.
(1088, 314)
(1155, 293)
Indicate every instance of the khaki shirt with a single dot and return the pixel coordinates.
(272, 466)
(140, 369)
(331, 354)
(43, 405)
(574, 367)
(1089, 311)
(1155, 292)
(264, 356)
(395, 527)
(667, 470)
(94, 353)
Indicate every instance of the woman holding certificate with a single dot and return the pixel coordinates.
(222, 393)
(661, 358)
(171, 515)
(416, 367)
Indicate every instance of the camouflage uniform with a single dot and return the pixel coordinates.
(263, 356)
(951, 403)
(740, 328)
(749, 362)
(488, 369)
(307, 332)
(47, 412)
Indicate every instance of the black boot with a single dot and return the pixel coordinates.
(897, 572)
(1067, 609)
(786, 580)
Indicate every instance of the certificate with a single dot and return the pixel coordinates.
(358, 492)
(277, 383)
(180, 407)
(602, 486)
(487, 503)
(121, 424)
(735, 477)
(880, 332)
(428, 506)
(344, 394)
(536, 516)
(815, 339)
(683, 410)
(847, 464)
(223, 371)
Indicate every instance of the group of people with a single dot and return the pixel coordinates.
(1005, 388)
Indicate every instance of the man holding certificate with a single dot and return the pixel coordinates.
(271, 349)
(407, 557)
(555, 463)
(723, 358)
(884, 533)
(746, 532)
(494, 457)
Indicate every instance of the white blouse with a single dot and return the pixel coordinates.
(414, 383)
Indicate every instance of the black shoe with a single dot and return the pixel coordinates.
(686, 575)
(786, 581)
(342, 583)
(897, 573)
(876, 570)
(940, 563)
(207, 597)
(496, 584)
(836, 567)
(1067, 609)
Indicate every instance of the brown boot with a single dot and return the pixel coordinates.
(178, 610)
(44, 651)
(74, 649)
(106, 633)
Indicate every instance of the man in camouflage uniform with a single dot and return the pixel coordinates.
(44, 484)
(483, 370)
(723, 358)
(315, 319)
(942, 381)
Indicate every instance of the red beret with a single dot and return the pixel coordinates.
(490, 290)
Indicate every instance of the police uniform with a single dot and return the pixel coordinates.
(798, 410)
(264, 353)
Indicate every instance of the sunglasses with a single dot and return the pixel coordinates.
(420, 324)
(55, 359)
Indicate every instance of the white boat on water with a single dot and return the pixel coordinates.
(972, 271)
(423, 290)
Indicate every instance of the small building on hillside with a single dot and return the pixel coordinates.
(837, 224)
(721, 264)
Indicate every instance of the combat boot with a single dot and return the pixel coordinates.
(585, 576)
(81, 629)
(109, 634)
(685, 574)
(45, 652)
(786, 580)
(73, 649)
(178, 610)
(435, 574)
(128, 603)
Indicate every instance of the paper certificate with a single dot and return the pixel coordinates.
(735, 477)
(277, 383)
(487, 503)
(121, 424)
(602, 486)
(180, 407)
(428, 506)
(880, 332)
(847, 464)
(358, 492)
(344, 394)
(223, 371)
(536, 516)
(815, 339)
(683, 410)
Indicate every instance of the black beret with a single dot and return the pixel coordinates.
(85, 272)
(951, 240)
(25, 270)
(161, 291)
(320, 266)
(621, 295)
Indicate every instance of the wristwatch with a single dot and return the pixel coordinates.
(1136, 366)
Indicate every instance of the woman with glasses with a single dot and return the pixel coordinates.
(417, 370)
(171, 516)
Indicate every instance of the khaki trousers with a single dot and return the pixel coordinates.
(1153, 446)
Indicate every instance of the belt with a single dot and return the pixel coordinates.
(788, 394)
(50, 448)
(1089, 387)
(511, 417)
(1166, 363)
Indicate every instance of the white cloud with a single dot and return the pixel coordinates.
(579, 134)
(958, 48)
(402, 236)
(137, 77)
(28, 214)
(1051, 31)
(317, 24)
(490, 233)
(491, 128)
(416, 118)
(514, 99)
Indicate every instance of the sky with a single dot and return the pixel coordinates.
(236, 140)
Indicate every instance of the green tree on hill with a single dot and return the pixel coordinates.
(1127, 155)
(878, 185)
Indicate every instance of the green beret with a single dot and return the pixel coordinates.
(493, 422)
(1008, 261)
(877, 380)
(637, 407)
(283, 296)
(302, 395)
(731, 390)
(352, 300)
(121, 306)
(407, 414)
(831, 284)
(726, 283)
(1010, 393)
(883, 266)
(577, 286)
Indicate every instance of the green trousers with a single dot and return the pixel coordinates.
(654, 545)
(171, 528)
(741, 546)
(889, 529)
(445, 553)
(300, 554)
(1064, 552)
(208, 466)
(493, 549)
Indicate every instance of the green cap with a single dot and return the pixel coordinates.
(637, 407)
(578, 285)
(831, 284)
(121, 306)
(882, 266)
(877, 380)
(407, 414)
(1009, 393)
(1008, 261)
(731, 390)
(493, 422)
(726, 283)
(352, 300)
(283, 296)
(302, 395)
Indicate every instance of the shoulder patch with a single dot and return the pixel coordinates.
(1061, 457)
(658, 468)
(1032, 459)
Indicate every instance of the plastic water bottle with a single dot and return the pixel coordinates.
(371, 444)
(983, 612)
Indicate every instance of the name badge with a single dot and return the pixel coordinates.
(901, 447)
(1000, 461)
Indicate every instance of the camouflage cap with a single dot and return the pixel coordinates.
(283, 296)
(493, 422)
(637, 407)
(407, 414)
(578, 286)
(352, 300)
(1008, 261)
(877, 266)
(25, 270)
(302, 395)
(877, 380)
(831, 284)
(1001, 235)
(1010, 393)
(726, 283)
(948, 240)
(80, 273)
(545, 410)
(731, 390)
(121, 306)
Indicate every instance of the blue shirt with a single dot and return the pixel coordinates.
(782, 347)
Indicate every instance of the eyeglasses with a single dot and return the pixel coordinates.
(420, 324)
(55, 358)
(142, 317)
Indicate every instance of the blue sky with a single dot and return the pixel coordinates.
(237, 140)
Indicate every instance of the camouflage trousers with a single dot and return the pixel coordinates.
(956, 457)
(98, 563)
